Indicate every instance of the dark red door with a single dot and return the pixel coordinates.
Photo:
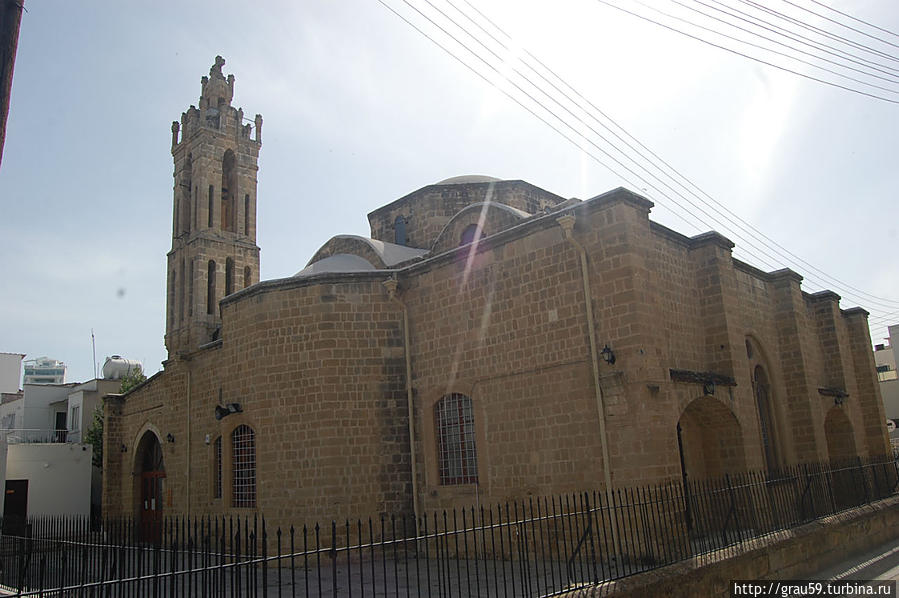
(151, 505)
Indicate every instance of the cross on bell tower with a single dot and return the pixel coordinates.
(214, 250)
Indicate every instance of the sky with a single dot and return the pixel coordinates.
(360, 109)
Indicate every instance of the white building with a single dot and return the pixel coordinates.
(887, 374)
(48, 464)
(44, 370)
(10, 372)
(885, 359)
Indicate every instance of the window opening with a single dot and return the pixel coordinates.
(456, 452)
(243, 467)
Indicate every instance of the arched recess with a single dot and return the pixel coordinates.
(839, 434)
(769, 417)
(149, 479)
(229, 192)
(710, 440)
(186, 205)
(229, 276)
(767, 420)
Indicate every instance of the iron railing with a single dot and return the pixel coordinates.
(536, 547)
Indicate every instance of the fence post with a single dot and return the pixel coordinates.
(333, 554)
(861, 473)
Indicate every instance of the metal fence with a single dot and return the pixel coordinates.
(536, 547)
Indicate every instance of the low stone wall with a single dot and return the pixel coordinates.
(790, 554)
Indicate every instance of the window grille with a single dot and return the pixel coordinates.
(217, 468)
(456, 453)
(243, 467)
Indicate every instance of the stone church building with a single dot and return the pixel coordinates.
(490, 340)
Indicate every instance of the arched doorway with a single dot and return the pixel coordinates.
(150, 476)
(710, 443)
(710, 440)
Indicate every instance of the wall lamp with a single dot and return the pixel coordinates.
(222, 412)
(169, 437)
(607, 355)
(708, 388)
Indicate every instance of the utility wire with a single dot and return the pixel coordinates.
(841, 24)
(738, 53)
(510, 96)
(577, 132)
(806, 41)
(530, 96)
(855, 19)
(820, 31)
(757, 46)
(596, 110)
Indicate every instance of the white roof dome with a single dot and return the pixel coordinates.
(468, 178)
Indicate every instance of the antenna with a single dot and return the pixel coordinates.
(94, 347)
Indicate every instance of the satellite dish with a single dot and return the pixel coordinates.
(891, 425)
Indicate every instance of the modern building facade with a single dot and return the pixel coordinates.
(490, 340)
(44, 370)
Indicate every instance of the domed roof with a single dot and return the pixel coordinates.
(341, 262)
(468, 178)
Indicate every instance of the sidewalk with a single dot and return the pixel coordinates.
(881, 563)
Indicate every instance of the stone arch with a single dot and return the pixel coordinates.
(839, 434)
(768, 410)
(488, 218)
(149, 483)
(710, 440)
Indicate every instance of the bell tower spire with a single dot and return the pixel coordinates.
(214, 250)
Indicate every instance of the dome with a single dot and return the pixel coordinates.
(341, 262)
(468, 178)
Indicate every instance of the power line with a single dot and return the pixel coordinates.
(804, 40)
(753, 45)
(577, 132)
(840, 24)
(820, 31)
(854, 18)
(753, 58)
(783, 251)
(530, 96)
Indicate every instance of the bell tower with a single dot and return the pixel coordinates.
(214, 250)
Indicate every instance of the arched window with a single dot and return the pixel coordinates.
(210, 288)
(171, 313)
(176, 307)
(229, 276)
(185, 194)
(469, 234)
(211, 205)
(181, 294)
(457, 459)
(190, 290)
(247, 273)
(246, 215)
(766, 417)
(229, 191)
(399, 230)
(217, 468)
(243, 467)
